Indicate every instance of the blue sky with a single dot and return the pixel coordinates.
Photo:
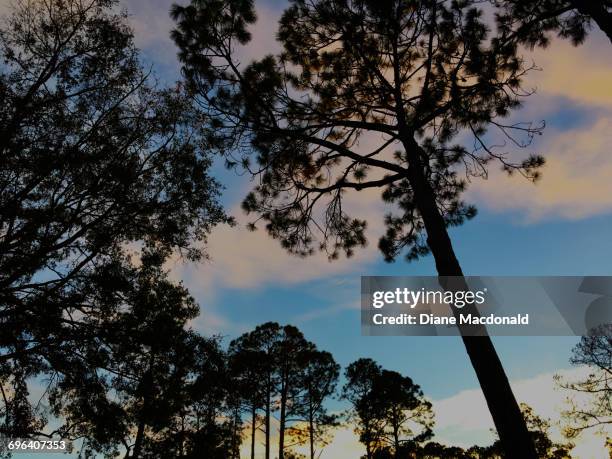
(558, 227)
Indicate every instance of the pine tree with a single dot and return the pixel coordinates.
(411, 77)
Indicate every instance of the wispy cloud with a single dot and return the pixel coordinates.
(575, 183)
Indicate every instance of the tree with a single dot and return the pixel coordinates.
(94, 159)
(290, 350)
(409, 76)
(360, 376)
(404, 413)
(259, 347)
(210, 423)
(391, 409)
(143, 382)
(248, 366)
(286, 373)
(539, 429)
(436, 450)
(595, 352)
(319, 377)
(532, 22)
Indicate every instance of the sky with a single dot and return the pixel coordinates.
(560, 226)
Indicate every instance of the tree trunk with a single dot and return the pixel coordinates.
(253, 422)
(146, 385)
(236, 433)
(281, 427)
(311, 428)
(396, 441)
(138, 442)
(502, 404)
(268, 401)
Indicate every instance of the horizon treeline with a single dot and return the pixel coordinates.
(105, 177)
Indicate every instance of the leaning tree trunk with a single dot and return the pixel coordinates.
(509, 421)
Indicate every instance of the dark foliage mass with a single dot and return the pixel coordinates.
(416, 74)
(533, 23)
(94, 159)
(391, 412)
(280, 368)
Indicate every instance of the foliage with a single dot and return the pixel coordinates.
(410, 76)
(390, 409)
(95, 158)
(366, 94)
(287, 370)
(143, 382)
(539, 429)
(532, 23)
(594, 352)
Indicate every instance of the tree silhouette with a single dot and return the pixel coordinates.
(594, 351)
(408, 76)
(143, 382)
(360, 377)
(94, 158)
(319, 376)
(249, 368)
(259, 346)
(276, 369)
(391, 409)
(539, 430)
(291, 349)
(405, 414)
(532, 22)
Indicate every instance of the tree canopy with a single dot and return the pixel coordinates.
(93, 157)
(390, 411)
(288, 372)
(595, 353)
(101, 169)
(533, 23)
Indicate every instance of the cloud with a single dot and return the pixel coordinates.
(574, 85)
(5, 8)
(575, 183)
(579, 73)
(464, 419)
(249, 259)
